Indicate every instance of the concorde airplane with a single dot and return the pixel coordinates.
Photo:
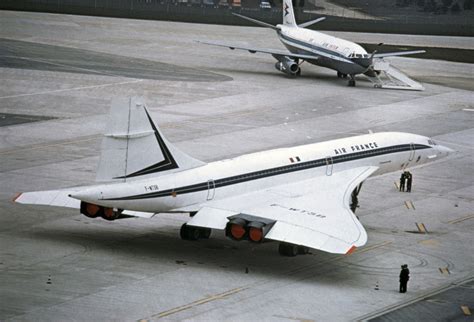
(346, 57)
(300, 196)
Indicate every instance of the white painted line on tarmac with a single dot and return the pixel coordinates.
(72, 89)
(468, 109)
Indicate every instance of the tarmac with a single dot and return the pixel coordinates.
(58, 74)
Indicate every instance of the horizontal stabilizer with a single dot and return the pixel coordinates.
(58, 198)
(258, 22)
(399, 53)
(312, 22)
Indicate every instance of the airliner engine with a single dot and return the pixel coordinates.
(246, 227)
(94, 211)
(287, 65)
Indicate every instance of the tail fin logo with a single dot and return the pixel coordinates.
(286, 9)
(167, 164)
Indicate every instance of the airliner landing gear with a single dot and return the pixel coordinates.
(341, 75)
(352, 81)
(354, 198)
(194, 233)
(291, 250)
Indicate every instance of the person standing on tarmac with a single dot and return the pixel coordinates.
(404, 277)
(409, 181)
(402, 181)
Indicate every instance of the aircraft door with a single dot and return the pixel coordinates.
(329, 166)
(412, 152)
(211, 189)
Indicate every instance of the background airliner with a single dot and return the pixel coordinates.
(300, 196)
(346, 57)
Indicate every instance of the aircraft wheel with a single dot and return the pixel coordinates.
(183, 232)
(194, 233)
(289, 250)
(298, 73)
(303, 250)
(351, 83)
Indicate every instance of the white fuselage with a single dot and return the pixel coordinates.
(252, 172)
(341, 52)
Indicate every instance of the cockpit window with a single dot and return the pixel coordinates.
(431, 142)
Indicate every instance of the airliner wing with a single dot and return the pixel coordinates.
(313, 213)
(262, 50)
(60, 198)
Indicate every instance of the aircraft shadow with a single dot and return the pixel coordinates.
(217, 253)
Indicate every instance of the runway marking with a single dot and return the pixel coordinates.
(397, 185)
(196, 303)
(455, 221)
(468, 109)
(465, 309)
(421, 228)
(409, 204)
(444, 271)
(72, 89)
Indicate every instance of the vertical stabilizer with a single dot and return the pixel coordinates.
(288, 14)
(133, 145)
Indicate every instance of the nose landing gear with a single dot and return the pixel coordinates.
(352, 81)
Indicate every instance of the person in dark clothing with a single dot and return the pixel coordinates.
(404, 277)
(402, 181)
(409, 181)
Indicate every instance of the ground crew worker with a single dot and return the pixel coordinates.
(402, 181)
(404, 277)
(409, 181)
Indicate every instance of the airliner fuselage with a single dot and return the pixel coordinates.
(388, 151)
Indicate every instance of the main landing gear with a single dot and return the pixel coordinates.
(341, 75)
(351, 82)
(194, 233)
(354, 198)
(291, 250)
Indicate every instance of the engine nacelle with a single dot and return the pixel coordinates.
(93, 211)
(287, 66)
(236, 229)
(246, 227)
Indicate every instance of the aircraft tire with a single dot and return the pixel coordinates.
(288, 250)
(351, 83)
(183, 232)
(303, 250)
